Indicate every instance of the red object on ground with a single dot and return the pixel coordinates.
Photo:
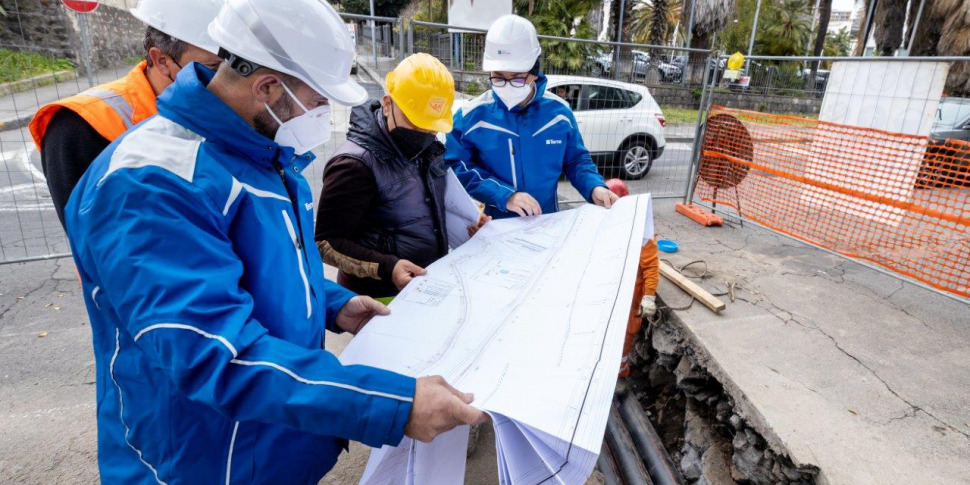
(81, 6)
(618, 187)
(699, 215)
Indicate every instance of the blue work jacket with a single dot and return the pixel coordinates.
(496, 151)
(193, 238)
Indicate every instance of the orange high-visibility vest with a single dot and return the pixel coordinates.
(110, 108)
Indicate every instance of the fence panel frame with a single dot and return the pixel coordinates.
(738, 216)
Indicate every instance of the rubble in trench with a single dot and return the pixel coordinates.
(697, 420)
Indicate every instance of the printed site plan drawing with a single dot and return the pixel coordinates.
(529, 315)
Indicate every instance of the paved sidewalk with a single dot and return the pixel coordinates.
(837, 365)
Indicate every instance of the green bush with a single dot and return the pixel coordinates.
(473, 88)
(696, 93)
(15, 65)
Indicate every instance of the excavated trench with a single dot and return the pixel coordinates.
(698, 423)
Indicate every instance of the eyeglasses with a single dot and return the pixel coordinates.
(516, 82)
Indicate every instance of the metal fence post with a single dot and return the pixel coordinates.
(711, 64)
(86, 48)
(411, 37)
(400, 45)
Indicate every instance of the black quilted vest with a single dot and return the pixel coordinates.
(407, 218)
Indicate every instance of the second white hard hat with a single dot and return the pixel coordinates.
(511, 45)
(185, 20)
(306, 39)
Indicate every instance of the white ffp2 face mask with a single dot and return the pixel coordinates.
(305, 132)
(511, 95)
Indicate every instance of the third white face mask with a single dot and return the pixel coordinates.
(511, 95)
(304, 132)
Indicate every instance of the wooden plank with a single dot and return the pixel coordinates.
(702, 295)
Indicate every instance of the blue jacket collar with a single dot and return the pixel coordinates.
(189, 103)
(541, 82)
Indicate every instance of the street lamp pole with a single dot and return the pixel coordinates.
(754, 27)
(373, 37)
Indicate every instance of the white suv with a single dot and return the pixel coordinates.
(621, 124)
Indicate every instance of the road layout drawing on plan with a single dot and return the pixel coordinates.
(529, 315)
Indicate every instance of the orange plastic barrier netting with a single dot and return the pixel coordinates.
(900, 201)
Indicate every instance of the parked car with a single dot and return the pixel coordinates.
(947, 159)
(621, 124)
(641, 62)
(600, 64)
(952, 119)
(672, 71)
(821, 81)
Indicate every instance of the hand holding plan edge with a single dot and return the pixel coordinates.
(438, 407)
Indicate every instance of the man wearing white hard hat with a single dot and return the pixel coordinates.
(193, 238)
(510, 145)
(71, 132)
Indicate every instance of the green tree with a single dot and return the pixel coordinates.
(787, 30)
(382, 8)
(838, 43)
(564, 18)
(653, 21)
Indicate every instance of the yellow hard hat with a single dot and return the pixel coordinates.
(735, 61)
(423, 89)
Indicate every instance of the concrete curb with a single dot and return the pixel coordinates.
(369, 72)
(36, 81)
(16, 123)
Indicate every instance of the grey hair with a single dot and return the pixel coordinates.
(170, 46)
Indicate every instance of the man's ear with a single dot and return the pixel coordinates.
(160, 62)
(264, 87)
(386, 105)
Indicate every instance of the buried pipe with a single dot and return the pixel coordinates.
(622, 449)
(647, 442)
(607, 466)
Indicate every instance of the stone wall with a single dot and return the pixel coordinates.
(46, 27)
(681, 97)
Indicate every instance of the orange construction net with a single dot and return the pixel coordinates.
(900, 201)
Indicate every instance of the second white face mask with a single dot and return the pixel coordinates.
(305, 132)
(511, 95)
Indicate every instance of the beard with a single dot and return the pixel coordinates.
(265, 125)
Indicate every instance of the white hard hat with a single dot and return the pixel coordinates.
(186, 20)
(511, 45)
(306, 39)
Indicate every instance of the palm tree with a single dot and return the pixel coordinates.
(564, 18)
(788, 30)
(944, 29)
(653, 21)
(710, 16)
(888, 20)
(955, 41)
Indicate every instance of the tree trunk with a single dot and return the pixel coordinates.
(954, 41)
(824, 12)
(532, 7)
(861, 38)
(658, 23)
(927, 32)
(444, 11)
(625, 69)
(890, 15)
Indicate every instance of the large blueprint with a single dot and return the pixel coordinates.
(529, 315)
